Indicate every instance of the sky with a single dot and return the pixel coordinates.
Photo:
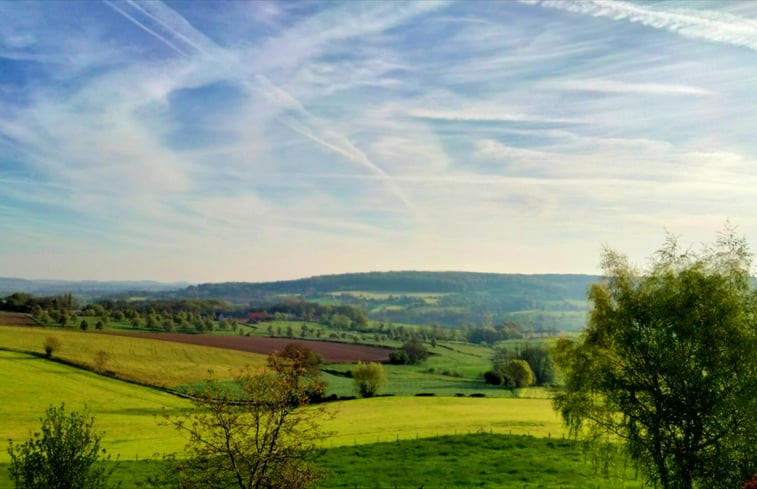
(255, 141)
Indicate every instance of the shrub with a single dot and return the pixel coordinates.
(369, 378)
(51, 344)
(493, 378)
(399, 357)
(519, 373)
(101, 358)
(64, 453)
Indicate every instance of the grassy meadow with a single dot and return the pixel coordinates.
(449, 440)
(160, 363)
(125, 412)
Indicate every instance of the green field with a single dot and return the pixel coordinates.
(161, 363)
(33, 383)
(448, 462)
(392, 418)
(384, 442)
(126, 412)
(485, 461)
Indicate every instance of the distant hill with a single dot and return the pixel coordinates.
(91, 288)
(541, 302)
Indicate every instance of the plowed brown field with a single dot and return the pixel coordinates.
(331, 352)
(16, 319)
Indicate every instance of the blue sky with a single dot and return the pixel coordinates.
(215, 141)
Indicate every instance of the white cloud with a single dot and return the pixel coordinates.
(620, 87)
(700, 24)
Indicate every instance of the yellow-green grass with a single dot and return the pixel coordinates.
(161, 363)
(128, 414)
(392, 418)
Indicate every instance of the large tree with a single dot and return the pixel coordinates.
(667, 365)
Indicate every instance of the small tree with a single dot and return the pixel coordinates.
(541, 363)
(258, 436)
(101, 358)
(369, 378)
(414, 350)
(519, 374)
(51, 345)
(84, 325)
(64, 454)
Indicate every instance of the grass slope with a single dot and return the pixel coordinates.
(125, 412)
(449, 462)
(402, 418)
(160, 363)
(486, 461)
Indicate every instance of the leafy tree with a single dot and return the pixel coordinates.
(501, 358)
(518, 373)
(101, 358)
(340, 321)
(667, 365)
(540, 361)
(51, 344)
(261, 438)
(303, 365)
(399, 357)
(493, 377)
(369, 378)
(63, 318)
(64, 454)
(414, 350)
(84, 325)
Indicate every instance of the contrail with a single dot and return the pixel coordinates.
(701, 24)
(145, 28)
(181, 30)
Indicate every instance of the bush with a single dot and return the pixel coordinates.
(101, 358)
(63, 454)
(51, 345)
(399, 357)
(493, 378)
(415, 350)
(369, 378)
(519, 373)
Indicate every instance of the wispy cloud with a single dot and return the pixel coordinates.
(277, 140)
(701, 24)
(614, 86)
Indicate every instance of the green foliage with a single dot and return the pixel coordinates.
(518, 373)
(369, 378)
(51, 345)
(64, 454)
(540, 361)
(493, 377)
(399, 357)
(415, 351)
(257, 436)
(667, 365)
